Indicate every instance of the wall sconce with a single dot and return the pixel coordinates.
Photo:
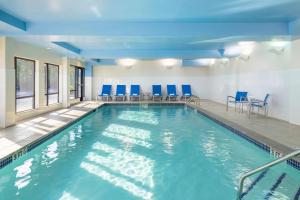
(277, 46)
(169, 63)
(206, 61)
(246, 48)
(127, 62)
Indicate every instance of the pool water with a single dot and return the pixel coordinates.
(145, 152)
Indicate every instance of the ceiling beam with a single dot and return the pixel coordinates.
(68, 47)
(12, 20)
(150, 54)
(159, 29)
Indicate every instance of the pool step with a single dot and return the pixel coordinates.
(275, 186)
(272, 185)
(256, 180)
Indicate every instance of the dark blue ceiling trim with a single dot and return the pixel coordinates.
(13, 21)
(68, 46)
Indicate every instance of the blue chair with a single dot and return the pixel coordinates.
(135, 92)
(240, 98)
(121, 92)
(186, 91)
(156, 92)
(106, 92)
(171, 92)
(259, 104)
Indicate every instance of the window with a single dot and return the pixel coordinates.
(24, 78)
(52, 83)
(76, 82)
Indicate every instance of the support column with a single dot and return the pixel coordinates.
(2, 83)
(88, 81)
(65, 82)
(7, 85)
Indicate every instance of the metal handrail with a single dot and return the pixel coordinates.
(261, 168)
(195, 99)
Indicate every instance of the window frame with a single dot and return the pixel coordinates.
(47, 83)
(24, 97)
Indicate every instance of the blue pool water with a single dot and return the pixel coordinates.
(136, 152)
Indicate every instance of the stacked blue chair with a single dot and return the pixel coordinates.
(135, 92)
(121, 92)
(186, 91)
(106, 92)
(156, 92)
(171, 92)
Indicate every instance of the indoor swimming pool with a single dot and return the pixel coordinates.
(159, 152)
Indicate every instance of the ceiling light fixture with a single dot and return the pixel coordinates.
(127, 62)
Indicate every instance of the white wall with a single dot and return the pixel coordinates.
(147, 73)
(266, 71)
(9, 49)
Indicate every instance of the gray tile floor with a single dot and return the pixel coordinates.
(280, 135)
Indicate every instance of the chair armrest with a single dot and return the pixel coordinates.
(230, 97)
(257, 100)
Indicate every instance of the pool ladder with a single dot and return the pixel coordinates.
(194, 99)
(261, 168)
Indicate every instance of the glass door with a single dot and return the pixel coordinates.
(76, 82)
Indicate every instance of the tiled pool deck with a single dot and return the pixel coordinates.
(279, 135)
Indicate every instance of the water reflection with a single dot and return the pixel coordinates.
(23, 177)
(67, 196)
(123, 166)
(146, 117)
(50, 154)
(168, 140)
(117, 181)
(127, 163)
(128, 135)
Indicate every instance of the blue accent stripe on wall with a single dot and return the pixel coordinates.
(68, 46)
(274, 187)
(12, 20)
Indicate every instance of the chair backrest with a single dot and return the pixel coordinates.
(135, 90)
(186, 90)
(156, 89)
(241, 96)
(121, 90)
(171, 89)
(106, 89)
(266, 99)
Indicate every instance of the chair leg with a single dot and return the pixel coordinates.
(227, 105)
